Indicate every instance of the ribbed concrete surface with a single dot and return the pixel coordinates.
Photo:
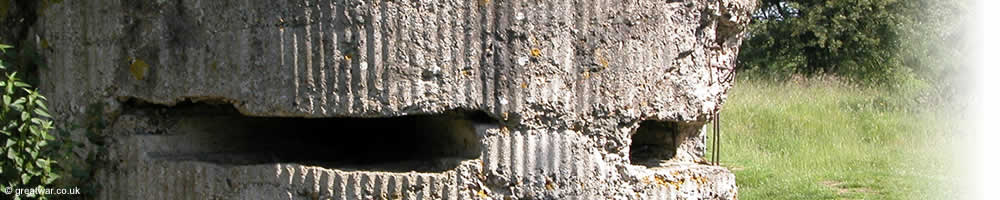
(167, 180)
(665, 60)
(568, 83)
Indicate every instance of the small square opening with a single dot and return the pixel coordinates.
(653, 142)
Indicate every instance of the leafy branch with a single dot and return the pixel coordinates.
(25, 124)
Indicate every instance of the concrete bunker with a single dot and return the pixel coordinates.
(654, 142)
(217, 133)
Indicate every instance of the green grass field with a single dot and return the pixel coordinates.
(820, 139)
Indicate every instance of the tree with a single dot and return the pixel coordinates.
(866, 40)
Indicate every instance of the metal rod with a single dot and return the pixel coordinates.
(718, 137)
(715, 138)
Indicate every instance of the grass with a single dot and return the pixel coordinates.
(818, 138)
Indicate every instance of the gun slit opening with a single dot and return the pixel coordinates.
(217, 133)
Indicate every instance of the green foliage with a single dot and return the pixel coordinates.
(933, 35)
(25, 127)
(871, 41)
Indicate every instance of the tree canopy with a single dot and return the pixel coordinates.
(867, 40)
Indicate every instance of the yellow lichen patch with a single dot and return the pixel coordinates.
(138, 69)
(701, 180)
(536, 52)
(667, 183)
(677, 184)
(660, 181)
(45, 43)
(482, 194)
(599, 58)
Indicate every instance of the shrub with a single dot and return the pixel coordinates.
(25, 124)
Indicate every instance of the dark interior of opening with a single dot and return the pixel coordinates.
(653, 142)
(217, 133)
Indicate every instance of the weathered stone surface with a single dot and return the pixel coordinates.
(568, 82)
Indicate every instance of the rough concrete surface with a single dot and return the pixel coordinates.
(526, 99)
